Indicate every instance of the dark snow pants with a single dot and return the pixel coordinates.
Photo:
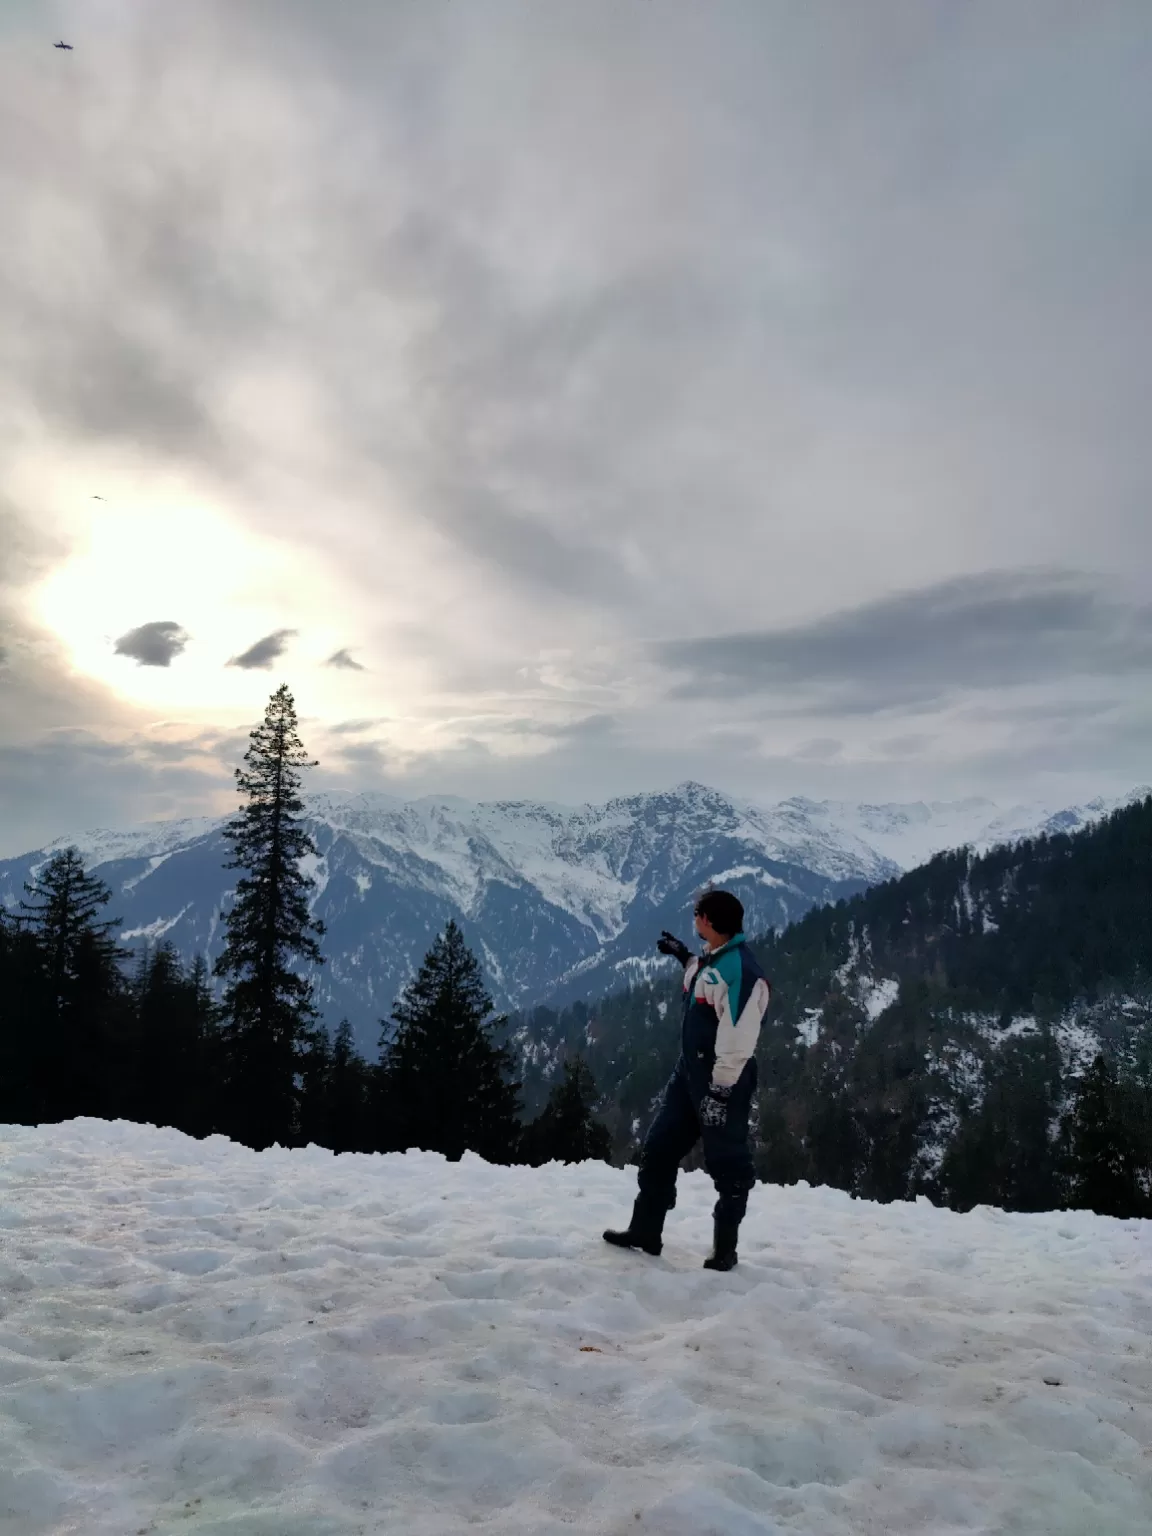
(676, 1130)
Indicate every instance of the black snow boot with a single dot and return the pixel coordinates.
(723, 1255)
(644, 1230)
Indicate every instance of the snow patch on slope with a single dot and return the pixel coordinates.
(1079, 1046)
(878, 995)
(154, 931)
(808, 1029)
(154, 864)
(748, 872)
(874, 994)
(314, 867)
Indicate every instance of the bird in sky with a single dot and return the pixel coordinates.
(97, 498)
(63, 45)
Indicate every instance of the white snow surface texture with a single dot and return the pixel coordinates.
(198, 1338)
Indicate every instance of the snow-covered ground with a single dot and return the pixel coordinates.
(200, 1339)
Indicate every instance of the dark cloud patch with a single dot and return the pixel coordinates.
(919, 648)
(155, 644)
(343, 659)
(261, 655)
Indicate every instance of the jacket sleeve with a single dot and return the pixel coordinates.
(736, 1037)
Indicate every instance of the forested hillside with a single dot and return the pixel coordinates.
(978, 1031)
(937, 1034)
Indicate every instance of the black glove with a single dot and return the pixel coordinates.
(669, 944)
(714, 1108)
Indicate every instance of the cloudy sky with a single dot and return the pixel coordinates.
(568, 399)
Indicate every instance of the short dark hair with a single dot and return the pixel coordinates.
(723, 910)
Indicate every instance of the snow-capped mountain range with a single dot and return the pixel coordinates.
(559, 902)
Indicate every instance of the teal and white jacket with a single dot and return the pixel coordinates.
(726, 996)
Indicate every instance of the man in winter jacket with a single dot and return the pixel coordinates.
(709, 1095)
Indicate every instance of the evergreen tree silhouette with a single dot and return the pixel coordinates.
(1003, 1154)
(268, 1006)
(204, 1106)
(564, 1131)
(348, 1094)
(1103, 1155)
(84, 997)
(28, 1038)
(177, 1069)
(314, 1123)
(445, 1085)
(337, 1092)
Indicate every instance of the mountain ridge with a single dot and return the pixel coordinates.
(559, 901)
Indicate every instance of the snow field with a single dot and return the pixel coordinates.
(199, 1339)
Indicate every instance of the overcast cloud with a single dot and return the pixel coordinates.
(994, 631)
(575, 398)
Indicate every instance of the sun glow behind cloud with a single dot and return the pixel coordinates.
(171, 558)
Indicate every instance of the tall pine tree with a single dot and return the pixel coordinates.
(445, 1084)
(267, 1003)
(81, 987)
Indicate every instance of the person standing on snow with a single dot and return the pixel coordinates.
(709, 1095)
